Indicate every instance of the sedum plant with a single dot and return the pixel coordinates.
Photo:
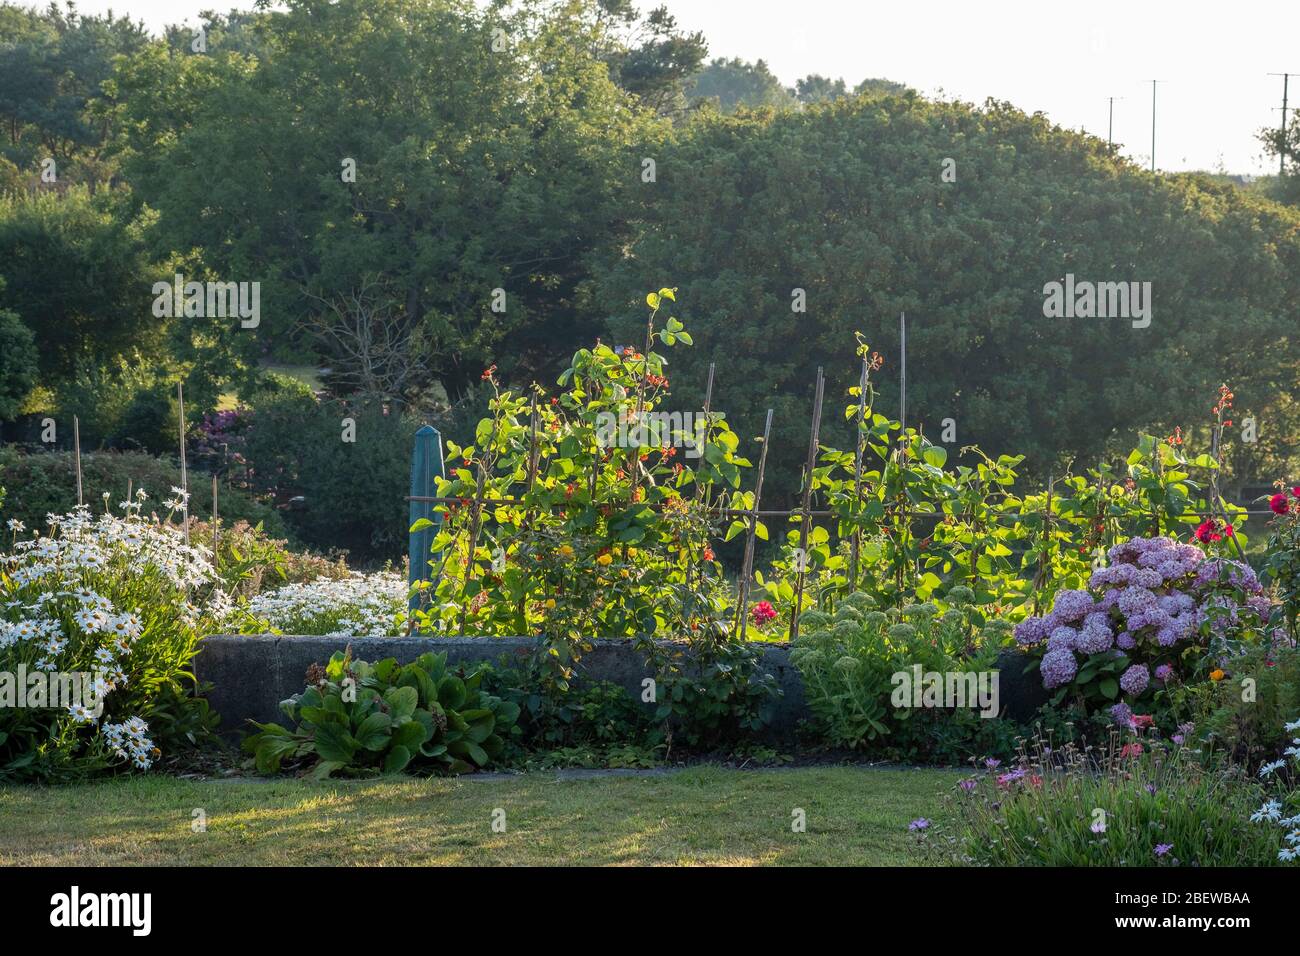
(358, 719)
(848, 660)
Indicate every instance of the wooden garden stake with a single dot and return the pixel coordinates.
(747, 565)
(476, 525)
(857, 476)
(76, 456)
(185, 481)
(532, 443)
(708, 420)
(216, 534)
(700, 490)
(807, 502)
(1047, 536)
(1217, 504)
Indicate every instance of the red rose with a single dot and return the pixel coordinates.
(1278, 503)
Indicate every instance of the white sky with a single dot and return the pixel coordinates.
(1063, 58)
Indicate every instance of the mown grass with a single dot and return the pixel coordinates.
(697, 816)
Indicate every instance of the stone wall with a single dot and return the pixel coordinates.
(251, 675)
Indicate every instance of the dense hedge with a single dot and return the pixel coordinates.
(41, 483)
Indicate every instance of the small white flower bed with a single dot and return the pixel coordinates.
(362, 605)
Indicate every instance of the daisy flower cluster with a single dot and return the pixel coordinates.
(360, 605)
(1274, 810)
(80, 598)
(1155, 595)
(128, 742)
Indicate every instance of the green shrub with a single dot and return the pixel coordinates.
(116, 605)
(353, 493)
(44, 483)
(17, 363)
(1242, 716)
(360, 719)
(1134, 803)
(593, 724)
(849, 661)
(125, 405)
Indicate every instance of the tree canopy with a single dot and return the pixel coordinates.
(849, 202)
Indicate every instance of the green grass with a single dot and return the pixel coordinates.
(702, 815)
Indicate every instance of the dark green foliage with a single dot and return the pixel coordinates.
(17, 362)
(475, 170)
(78, 275)
(847, 202)
(1250, 731)
(52, 63)
(353, 493)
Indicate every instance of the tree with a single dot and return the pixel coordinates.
(848, 207)
(79, 276)
(466, 159)
(17, 363)
(647, 56)
(815, 88)
(52, 64)
(1284, 143)
(734, 83)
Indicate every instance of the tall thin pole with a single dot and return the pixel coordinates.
(185, 481)
(216, 524)
(1110, 126)
(747, 565)
(1153, 125)
(806, 524)
(1281, 142)
(76, 454)
(857, 475)
(1281, 152)
(902, 378)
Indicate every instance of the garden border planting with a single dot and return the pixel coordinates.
(250, 675)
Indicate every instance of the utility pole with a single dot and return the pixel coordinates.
(1281, 142)
(1153, 125)
(1110, 127)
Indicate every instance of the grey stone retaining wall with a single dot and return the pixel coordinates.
(251, 675)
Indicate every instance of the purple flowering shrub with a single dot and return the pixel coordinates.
(1161, 613)
(218, 440)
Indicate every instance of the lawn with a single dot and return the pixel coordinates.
(703, 815)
